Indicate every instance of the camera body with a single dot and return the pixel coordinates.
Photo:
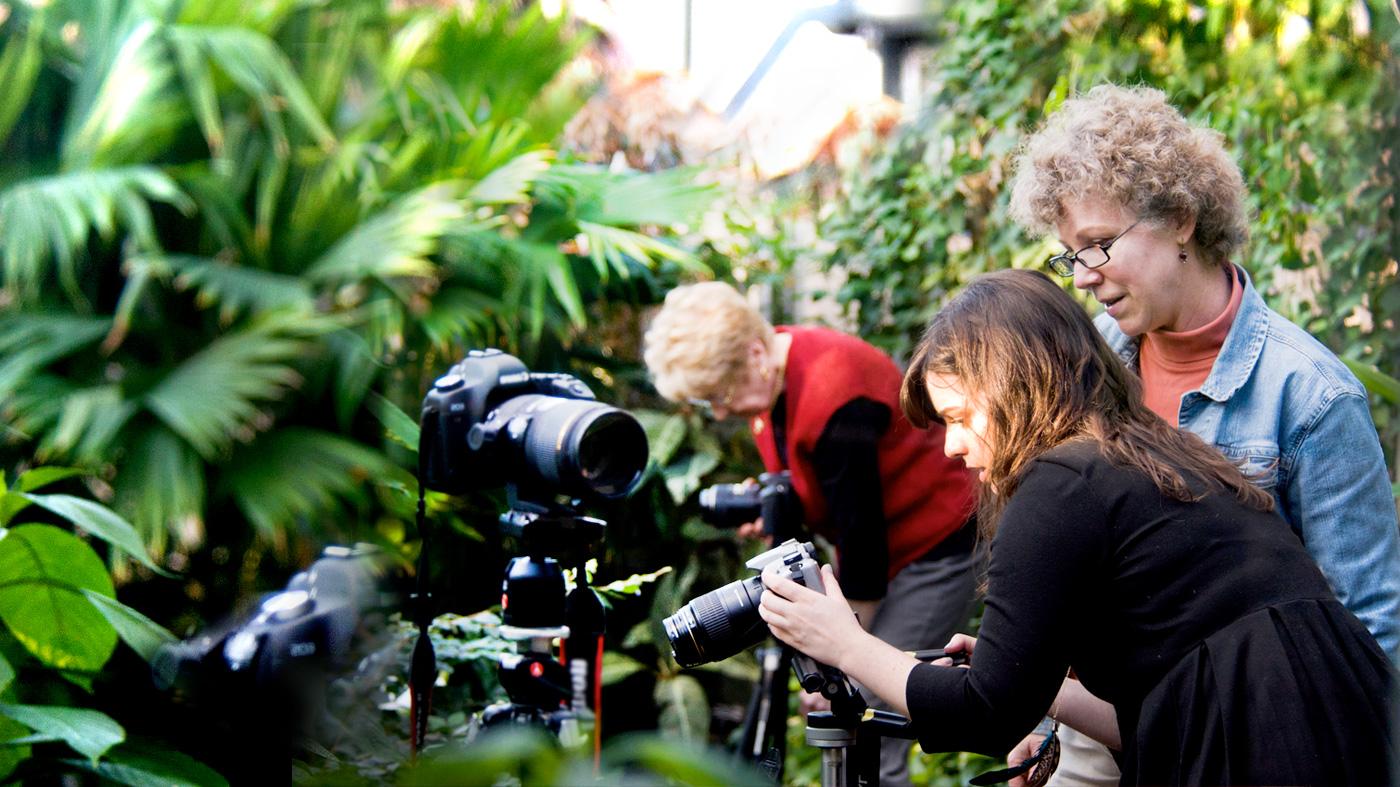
(318, 623)
(725, 621)
(491, 422)
(771, 497)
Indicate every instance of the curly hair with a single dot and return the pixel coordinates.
(1132, 147)
(695, 345)
(1022, 345)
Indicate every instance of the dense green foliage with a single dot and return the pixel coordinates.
(1304, 93)
(330, 201)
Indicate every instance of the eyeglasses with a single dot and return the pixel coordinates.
(1095, 255)
(707, 406)
(1039, 765)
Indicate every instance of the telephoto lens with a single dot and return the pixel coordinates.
(725, 621)
(718, 624)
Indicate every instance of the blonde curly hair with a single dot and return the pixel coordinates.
(1128, 145)
(696, 346)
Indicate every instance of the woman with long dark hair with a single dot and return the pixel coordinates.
(1121, 548)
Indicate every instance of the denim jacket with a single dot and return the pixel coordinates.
(1282, 405)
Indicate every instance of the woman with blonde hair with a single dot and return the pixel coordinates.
(825, 406)
(1124, 549)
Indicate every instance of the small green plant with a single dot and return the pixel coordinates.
(62, 622)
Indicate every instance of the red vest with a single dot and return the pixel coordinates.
(927, 495)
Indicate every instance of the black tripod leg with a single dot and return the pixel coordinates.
(764, 739)
(863, 768)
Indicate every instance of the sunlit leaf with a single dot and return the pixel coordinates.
(44, 572)
(88, 732)
(144, 635)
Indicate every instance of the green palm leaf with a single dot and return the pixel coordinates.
(125, 107)
(19, 67)
(395, 242)
(295, 474)
(50, 218)
(632, 199)
(237, 289)
(30, 342)
(213, 396)
(87, 425)
(254, 63)
(160, 488)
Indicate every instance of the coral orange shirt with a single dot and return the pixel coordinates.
(1173, 363)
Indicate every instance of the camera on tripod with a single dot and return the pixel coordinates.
(771, 498)
(490, 422)
(262, 679)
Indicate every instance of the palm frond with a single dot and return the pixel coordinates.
(237, 289)
(212, 397)
(254, 63)
(125, 106)
(50, 219)
(29, 342)
(614, 246)
(459, 317)
(87, 424)
(298, 474)
(395, 242)
(19, 65)
(631, 199)
(160, 488)
(355, 369)
(510, 183)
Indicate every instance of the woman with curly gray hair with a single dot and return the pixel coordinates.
(1151, 213)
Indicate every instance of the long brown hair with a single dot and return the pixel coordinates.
(1031, 354)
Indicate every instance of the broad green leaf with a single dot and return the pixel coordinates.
(397, 424)
(685, 476)
(7, 673)
(100, 521)
(43, 476)
(144, 635)
(44, 572)
(152, 765)
(11, 753)
(89, 732)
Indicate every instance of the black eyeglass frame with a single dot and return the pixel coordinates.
(1063, 264)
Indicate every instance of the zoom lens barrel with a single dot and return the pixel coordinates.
(718, 624)
(579, 447)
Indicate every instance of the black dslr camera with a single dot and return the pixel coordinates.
(724, 621)
(490, 422)
(274, 677)
(770, 497)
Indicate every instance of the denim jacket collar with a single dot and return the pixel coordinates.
(1238, 355)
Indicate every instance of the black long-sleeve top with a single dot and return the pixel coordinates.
(1091, 566)
(847, 464)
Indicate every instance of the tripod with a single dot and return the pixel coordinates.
(553, 694)
(848, 735)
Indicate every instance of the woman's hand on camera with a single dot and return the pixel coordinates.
(960, 643)
(818, 625)
(753, 529)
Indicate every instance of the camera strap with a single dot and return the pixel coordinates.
(422, 671)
